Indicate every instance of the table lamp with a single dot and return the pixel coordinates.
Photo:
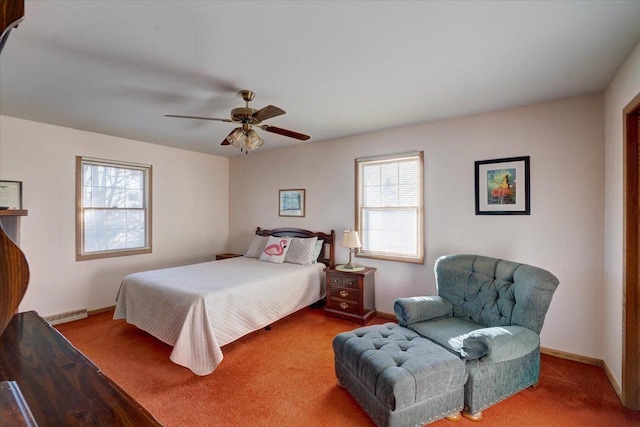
(351, 240)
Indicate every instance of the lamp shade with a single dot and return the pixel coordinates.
(351, 239)
(236, 137)
(253, 141)
(345, 238)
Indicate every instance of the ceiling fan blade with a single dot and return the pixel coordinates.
(285, 132)
(268, 112)
(199, 118)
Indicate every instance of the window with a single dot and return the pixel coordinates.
(389, 207)
(113, 208)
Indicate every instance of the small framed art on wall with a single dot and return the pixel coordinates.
(502, 186)
(11, 194)
(291, 202)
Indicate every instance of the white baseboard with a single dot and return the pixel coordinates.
(69, 316)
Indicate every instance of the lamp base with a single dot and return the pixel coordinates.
(347, 269)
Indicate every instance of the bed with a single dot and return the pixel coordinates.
(199, 308)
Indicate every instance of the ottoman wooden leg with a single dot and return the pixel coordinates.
(472, 417)
(454, 417)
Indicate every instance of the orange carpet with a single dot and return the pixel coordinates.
(285, 377)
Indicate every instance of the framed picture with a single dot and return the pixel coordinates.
(11, 194)
(291, 202)
(502, 186)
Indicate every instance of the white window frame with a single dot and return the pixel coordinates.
(364, 251)
(81, 254)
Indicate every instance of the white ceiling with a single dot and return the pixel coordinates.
(337, 68)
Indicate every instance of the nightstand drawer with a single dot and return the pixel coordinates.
(345, 282)
(349, 294)
(341, 305)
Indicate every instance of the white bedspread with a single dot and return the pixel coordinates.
(199, 308)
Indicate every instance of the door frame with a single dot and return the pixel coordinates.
(630, 393)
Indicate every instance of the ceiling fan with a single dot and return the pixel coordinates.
(244, 137)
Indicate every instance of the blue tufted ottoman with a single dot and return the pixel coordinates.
(398, 377)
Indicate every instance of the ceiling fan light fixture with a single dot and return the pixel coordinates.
(253, 140)
(235, 137)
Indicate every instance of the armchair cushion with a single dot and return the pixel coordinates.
(447, 332)
(418, 309)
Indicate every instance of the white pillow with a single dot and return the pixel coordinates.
(257, 246)
(276, 249)
(301, 251)
(317, 250)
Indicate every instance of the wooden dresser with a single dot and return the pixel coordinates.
(350, 295)
(61, 386)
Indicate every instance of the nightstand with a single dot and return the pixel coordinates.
(225, 256)
(351, 295)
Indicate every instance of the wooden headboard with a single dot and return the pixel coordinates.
(329, 240)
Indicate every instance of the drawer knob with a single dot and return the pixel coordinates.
(351, 283)
(344, 305)
(344, 294)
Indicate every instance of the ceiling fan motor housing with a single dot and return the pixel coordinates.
(244, 115)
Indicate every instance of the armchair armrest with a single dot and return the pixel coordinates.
(499, 343)
(418, 309)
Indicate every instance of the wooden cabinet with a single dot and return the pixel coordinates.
(61, 386)
(226, 256)
(351, 295)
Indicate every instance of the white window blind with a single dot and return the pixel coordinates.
(390, 206)
(114, 208)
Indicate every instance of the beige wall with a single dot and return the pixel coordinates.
(622, 89)
(227, 198)
(190, 211)
(563, 234)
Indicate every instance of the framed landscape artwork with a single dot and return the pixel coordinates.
(502, 186)
(291, 202)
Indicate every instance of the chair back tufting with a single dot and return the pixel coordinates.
(495, 292)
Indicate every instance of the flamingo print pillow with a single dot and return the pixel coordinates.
(276, 249)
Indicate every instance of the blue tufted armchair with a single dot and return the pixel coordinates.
(489, 312)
